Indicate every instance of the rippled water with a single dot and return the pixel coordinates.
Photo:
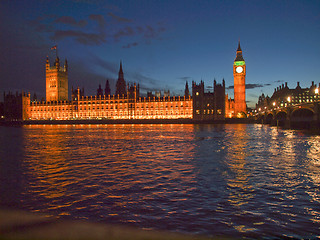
(229, 180)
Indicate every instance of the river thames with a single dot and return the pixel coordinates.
(232, 180)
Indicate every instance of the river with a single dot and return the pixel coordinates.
(232, 180)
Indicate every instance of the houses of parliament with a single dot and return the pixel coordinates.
(127, 103)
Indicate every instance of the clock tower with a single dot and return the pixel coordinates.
(239, 76)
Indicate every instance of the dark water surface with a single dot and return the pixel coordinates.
(230, 180)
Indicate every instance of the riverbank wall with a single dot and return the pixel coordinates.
(128, 121)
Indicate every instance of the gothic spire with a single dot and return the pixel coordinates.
(239, 48)
(121, 83)
(120, 70)
(186, 90)
(239, 56)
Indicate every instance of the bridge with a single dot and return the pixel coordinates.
(304, 115)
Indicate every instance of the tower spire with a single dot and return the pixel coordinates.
(239, 48)
(120, 70)
(239, 75)
(239, 56)
(121, 84)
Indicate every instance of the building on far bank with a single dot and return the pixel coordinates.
(122, 105)
(239, 75)
(15, 106)
(208, 105)
(284, 96)
(127, 103)
(56, 81)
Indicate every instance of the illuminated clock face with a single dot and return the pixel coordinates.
(239, 69)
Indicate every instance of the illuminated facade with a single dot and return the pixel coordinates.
(239, 75)
(127, 103)
(283, 96)
(229, 107)
(112, 107)
(56, 81)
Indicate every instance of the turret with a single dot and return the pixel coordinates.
(121, 84)
(65, 65)
(47, 63)
(56, 81)
(186, 90)
(57, 63)
(120, 71)
(107, 90)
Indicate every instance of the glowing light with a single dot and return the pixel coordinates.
(289, 99)
(316, 91)
(274, 103)
(239, 63)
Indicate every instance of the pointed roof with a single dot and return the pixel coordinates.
(239, 48)
(120, 70)
(239, 56)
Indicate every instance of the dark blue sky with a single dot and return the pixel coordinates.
(161, 43)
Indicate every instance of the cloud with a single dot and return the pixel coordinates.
(144, 88)
(184, 78)
(150, 32)
(71, 21)
(130, 45)
(80, 36)
(50, 24)
(44, 28)
(279, 81)
(138, 77)
(109, 66)
(118, 19)
(253, 95)
(145, 33)
(93, 29)
(99, 19)
(251, 85)
(146, 83)
(254, 85)
(83, 76)
(127, 31)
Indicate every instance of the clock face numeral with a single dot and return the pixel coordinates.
(239, 69)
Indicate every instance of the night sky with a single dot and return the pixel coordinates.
(162, 44)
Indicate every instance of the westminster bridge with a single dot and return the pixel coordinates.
(303, 115)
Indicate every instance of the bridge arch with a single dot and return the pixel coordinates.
(260, 118)
(281, 117)
(302, 112)
(302, 118)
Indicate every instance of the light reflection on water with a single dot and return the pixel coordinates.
(231, 180)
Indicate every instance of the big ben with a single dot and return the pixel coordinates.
(239, 76)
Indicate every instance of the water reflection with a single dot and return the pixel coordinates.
(109, 165)
(239, 187)
(231, 180)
